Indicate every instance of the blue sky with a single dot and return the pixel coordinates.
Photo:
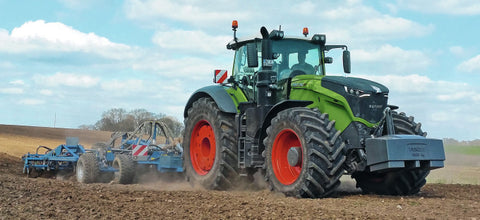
(72, 59)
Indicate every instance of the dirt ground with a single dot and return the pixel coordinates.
(64, 198)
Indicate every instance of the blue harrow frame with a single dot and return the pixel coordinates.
(63, 157)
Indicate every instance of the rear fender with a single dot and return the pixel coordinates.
(218, 94)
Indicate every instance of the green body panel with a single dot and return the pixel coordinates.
(237, 95)
(309, 88)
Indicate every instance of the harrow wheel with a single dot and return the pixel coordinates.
(210, 146)
(304, 153)
(126, 169)
(87, 168)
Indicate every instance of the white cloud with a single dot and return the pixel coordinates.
(387, 27)
(306, 7)
(360, 22)
(11, 90)
(124, 86)
(471, 65)
(457, 50)
(198, 13)
(195, 41)
(403, 83)
(58, 37)
(6, 64)
(66, 79)
(457, 95)
(440, 116)
(77, 4)
(390, 59)
(419, 85)
(185, 68)
(46, 92)
(31, 102)
(17, 82)
(452, 7)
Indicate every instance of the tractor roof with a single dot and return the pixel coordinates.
(233, 45)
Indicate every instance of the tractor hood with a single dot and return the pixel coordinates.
(351, 84)
(367, 99)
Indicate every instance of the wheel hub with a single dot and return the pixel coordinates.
(294, 156)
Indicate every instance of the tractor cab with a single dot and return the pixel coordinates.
(287, 57)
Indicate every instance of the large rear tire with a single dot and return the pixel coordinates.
(126, 169)
(210, 146)
(400, 182)
(304, 154)
(87, 170)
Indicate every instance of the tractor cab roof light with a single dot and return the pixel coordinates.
(276, 35)
(305, 31)
(234, 25)
(234, 29)
(319, 39)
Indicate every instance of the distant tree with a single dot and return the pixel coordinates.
(112, 120)
(118, 119)
(141, 115)
(175, 126)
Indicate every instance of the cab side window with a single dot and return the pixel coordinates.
(243, 74)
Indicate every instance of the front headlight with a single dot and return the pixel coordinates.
(356, 92)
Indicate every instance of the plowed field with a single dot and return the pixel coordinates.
(166, 198)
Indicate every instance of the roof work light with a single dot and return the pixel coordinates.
(305, 31)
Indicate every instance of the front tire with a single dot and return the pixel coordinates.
(399, 182)
(304, 154)
(210, 146)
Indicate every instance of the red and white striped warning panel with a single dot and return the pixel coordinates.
(140, 150)
(220, 76)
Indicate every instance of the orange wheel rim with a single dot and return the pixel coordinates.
(202, 147)
(285, 173)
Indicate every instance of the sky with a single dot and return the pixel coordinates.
(63, 63)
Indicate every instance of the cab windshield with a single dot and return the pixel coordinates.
(296, 57)
(290, 57)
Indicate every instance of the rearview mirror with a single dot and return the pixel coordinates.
(346, 62)
(252, 55)
(328, 60)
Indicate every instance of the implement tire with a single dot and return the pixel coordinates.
(399, 182)
(87, 170)
(304, 154)
(126, 169)
(210, 146)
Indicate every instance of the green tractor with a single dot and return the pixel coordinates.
(281, 114)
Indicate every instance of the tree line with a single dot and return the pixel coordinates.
(118, 119)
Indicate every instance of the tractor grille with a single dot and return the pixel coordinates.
(366, 98)
(369, 106)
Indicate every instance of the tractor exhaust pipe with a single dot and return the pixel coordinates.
(266, 77)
